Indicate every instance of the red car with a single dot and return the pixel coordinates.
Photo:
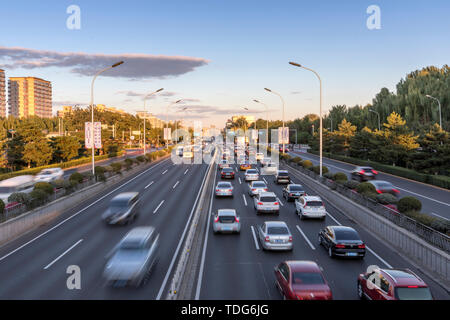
(227, 173)
(392, 284)
(301, 280)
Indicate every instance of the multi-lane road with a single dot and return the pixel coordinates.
(435, 200)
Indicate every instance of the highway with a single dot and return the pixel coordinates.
(235, 266)
(435, 200)
(34, 266)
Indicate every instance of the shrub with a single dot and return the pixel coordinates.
(351, 184)
(2, 206)
(116, 166)
(441, 225)
(420, 217)
(76, 176)
(87, 175)
(297, 160)
(44, 186)
(307, 164)
(407, 204)
(386, 198)
(161, 153)
(140, 158)
(108, 168)
(148, 156)
(316, 169)
(58, 184)
(127, 163)
(100, 173)
(20, 197)
(366, 188)
(38, 197)
(340, 176)
(329, 175)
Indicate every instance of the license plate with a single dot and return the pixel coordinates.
(279, 241)
(352, 254)
(227, 229)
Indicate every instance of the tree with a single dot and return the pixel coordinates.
(38, 152)
(65, 148)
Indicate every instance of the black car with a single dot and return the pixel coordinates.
(227, 173)
(293, 191)
(342, 241)
(364, 173)
(122, 209)
(282, 176)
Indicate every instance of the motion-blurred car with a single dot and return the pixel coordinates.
(224, 189)
(342, 241)
(226, 220)
(293, 191)
(310, 207)
(122, 209)
(364, 173)
(392, 284)
(224, 164)
(301, 280)
(227, 172)
(132, 260)
(9, 186)
(48, 175)
(270, 168)
(256, 187)
(384, 187)
(245, 165)
(265, 161)
(259, 156)
(282, 176)
(266, 202)
(251, 175)
(275, 235)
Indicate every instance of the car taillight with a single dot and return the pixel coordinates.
(260, 203)
(267, 239)
(362, 246)
(413, 286)
(361, 172)
(216, 219)
(395, 190)
(379, 191)
(236, 219)
(340, 246)
(276, 203)
(217, 190)
(266, 189)
(290, 238)
(374, 172)
(290, 194)
(253, 189)
(230, 190)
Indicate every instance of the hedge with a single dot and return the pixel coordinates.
(340, 176)
(44, 186)
(20, 197)
(2, 206)
(76, 176)
(365, 188)
(407, 204)
(307, 164)
(316, 169)
(386, 198)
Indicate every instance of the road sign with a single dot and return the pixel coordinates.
(97, 135)
(283, 135)
(167, 133)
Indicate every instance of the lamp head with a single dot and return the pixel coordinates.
(117, 64)
(295, 64)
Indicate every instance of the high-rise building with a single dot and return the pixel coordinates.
(250, 119)
(66, 111)
(2, 94)
(29, 96)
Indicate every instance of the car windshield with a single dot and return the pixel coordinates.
(346, 235)
(277, 230)
(252, 171)
(410, 293)
(132, 244)
(227, 169)
(259, 185)
(314, 204)
(268, 199)
(295, 188)
(284, 174)
(45, 172)
(302, 278)
(384, 185)
(118, 204)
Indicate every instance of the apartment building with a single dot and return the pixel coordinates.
(29, 96)
(2, 94)
(66, 111)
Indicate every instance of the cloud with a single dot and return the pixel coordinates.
(296, 92)
(57, 104)
(136, 66)
(133, 94)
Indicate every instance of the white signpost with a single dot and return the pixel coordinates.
(97, 135)
(167, 133)
(283, 135)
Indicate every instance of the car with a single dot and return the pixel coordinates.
(245, 166)
(364, 173)
(132, 260)
(310, 207)
(259, 156)
(226, 220)
(48, 175)
(275, 235)
(286, 149)
(266, 202)
(227, 172)
(270, 168)
(122, 209)
(392, 284)
(224, 164)
(301, 280)
(384, 187)
(282, 176)
(179, 151)
(24, 183)
(342, 241)
(293, 191)
(256, 187)
(265, 161)
(251, 175)
(224, 189)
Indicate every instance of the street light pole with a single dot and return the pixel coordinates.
(282, 100)
(267, 120)
(92, 110)
(379, 126)
(440, 113)
(320, 119)
(167, 120)
(145, 115)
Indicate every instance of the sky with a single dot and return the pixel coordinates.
(219, 55)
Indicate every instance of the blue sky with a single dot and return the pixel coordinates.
(246, 46)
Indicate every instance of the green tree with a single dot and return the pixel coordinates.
(37, 152)
(65, 148)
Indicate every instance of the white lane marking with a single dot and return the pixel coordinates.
(265, 180)
(149, 184)
(186, 171)
(236, 169)
(75, 214)
(254, 238)
(334, 219)
(245, 200)
(435, 214)
(154, 211)
(306, 238)
(419, 195)
(175, 185)
(62, 254)
(164, 171)
(280, 201)
(240, 182)
(381, 259)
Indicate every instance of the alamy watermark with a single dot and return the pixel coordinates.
(73, 21)
(373, 22)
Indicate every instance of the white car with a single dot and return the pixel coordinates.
(256, 187)
(224, 189)
(259, 156)
(251, 175)
(9, 186)
(226, 220)
(270, 168)
(266, 202)
(224, 164)
(48, 175)
(265, 161)
(310, 207)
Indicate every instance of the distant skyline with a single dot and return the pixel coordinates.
(219, 55)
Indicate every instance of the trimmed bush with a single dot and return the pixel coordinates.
(351, 184)
(340, 176)
(20, 197)
(2, 206)
(140, 158)
(148, 156)
(116, 166)
(108, 168)
(58, 184)
(127, 163)
(441, 225)
(408, 204)
(316, 169)
(386, 198)
(100, 173)
(76, 176)
(366, 188)
(329, 175)
(307, 164)
(297, 160)
(38, 197)
(44, 186)
(161, 153)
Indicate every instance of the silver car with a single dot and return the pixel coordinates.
(256, 187)
(226, 220)
(310, 207)
(275, 235)
(266, 202)
(224, 189)
(49, 175)
(132, 260)
(251, 175)
(122, 209)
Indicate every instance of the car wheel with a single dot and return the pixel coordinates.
(301, 216)
(320, 241)
(360, 291)
(330, 252)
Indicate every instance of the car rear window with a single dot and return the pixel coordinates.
(413, 293)
(314, 204)
(295, 188)
(226, 219)
(259, 185)
(252, 171)
(346, 235)
(277, 230)
(227, 169)
(303, 278)
(268, 199)
(284, 174)
(224, 185)
(384, 185)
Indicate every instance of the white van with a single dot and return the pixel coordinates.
(9, 186)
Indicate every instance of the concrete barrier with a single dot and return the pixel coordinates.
(16, 227)
(426, 256)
